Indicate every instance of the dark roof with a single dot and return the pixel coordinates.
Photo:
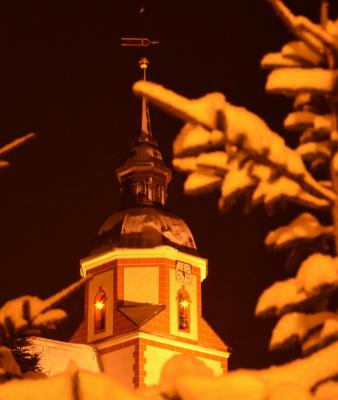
(140, 313)
(144, 150)
(144, 227)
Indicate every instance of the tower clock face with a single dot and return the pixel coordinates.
(183, 272)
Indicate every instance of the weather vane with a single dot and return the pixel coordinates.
(137, 42)
(144, 64)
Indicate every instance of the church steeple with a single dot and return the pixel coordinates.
(145, 122)
(143, 177)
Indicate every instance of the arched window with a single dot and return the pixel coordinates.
(158, 189)
(100, 311)
(183, 309)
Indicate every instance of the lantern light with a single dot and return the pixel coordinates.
(185, 303)
(99, 305)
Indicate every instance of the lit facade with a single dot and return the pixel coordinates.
(143, 304)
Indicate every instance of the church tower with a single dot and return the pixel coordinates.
(143, 304)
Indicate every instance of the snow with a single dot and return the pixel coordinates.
(238, 385)
(291, 381)
(56, 388)
(323, 122)
(278, 296)
(27, 312)
(332, 28)
(330, 328)
(63, 294)
(299, 120)
(202, 111)
(310, 150)
(290, 392)
(20, 311)
(269, 191)
(316, 30)
(296, 325)
(50, 317)
(317, 271)
(305, 226)
(335, 162)
(73, 384)
(327, 391)
(241, 128)
(192, 138)
(179, 365)
(215, 161)
(300, 51)
(291, 21)
(8, 364)
(199, 182)
(277, 60)
(291, 81)
(301, 100)
(305, 372)
(55, 356)
(185, 164)
(100, 387)
(237, 179)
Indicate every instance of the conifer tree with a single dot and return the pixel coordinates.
(228, 148)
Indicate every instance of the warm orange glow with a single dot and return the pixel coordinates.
(99, 305)
(185, 303)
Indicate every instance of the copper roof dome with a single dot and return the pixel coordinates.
(144, 227)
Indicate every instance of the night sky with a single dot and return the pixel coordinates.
(65, 77)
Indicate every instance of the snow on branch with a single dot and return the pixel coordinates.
(321, 336)
(271, 191)
(293, 380)
(299, 120)
(310, 151)
(277, 60)
(201, 182)
(317, 274)
(293, 81)
(193, 138)
(294, 327)
(305, 227)
(304, 24)
(27, 315)
(73, 384)
(290, 20)
(241, 128)
(299, 51)
(327, 390)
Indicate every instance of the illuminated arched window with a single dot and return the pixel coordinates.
(100, 311)
(183, 309)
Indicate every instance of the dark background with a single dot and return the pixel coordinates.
(65, 77)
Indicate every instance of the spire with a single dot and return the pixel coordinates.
(145, 123)
(143, 177)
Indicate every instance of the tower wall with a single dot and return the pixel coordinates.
(132, 353)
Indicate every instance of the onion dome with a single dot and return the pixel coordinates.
(144, 228)
(144, 178)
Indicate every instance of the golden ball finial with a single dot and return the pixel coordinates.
(143, 63)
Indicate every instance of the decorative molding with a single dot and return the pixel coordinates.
(96, 260)
(158, 339)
